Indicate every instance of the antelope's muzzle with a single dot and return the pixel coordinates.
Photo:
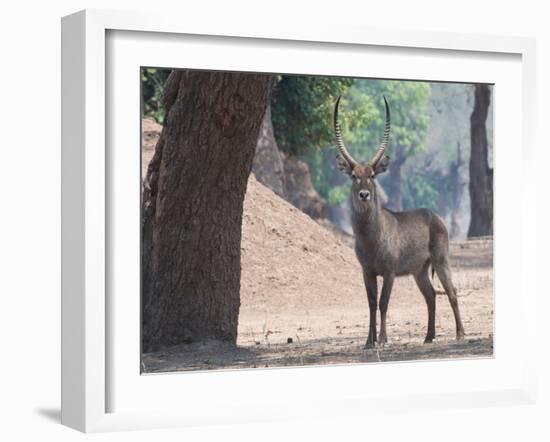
(364, 195)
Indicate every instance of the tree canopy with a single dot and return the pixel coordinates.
(363, 119)
(300, 106)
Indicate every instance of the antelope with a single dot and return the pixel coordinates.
(390, 244)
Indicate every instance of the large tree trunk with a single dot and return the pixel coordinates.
(481, 175)
(193, 203)
(286, 175)
(299, 188)
(268, 164)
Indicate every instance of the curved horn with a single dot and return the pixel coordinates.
(380, 152)
(339, 142)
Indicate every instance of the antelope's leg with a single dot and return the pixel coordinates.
(423, 281)
(444, 275)
(384, 301)
(372, 294)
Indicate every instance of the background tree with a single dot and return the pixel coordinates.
(409, 110)
(152, 85)
(455, 185)
(299, 124)
(448, 153)
(192, 205)
(301, 110)
(481, 175)
(268, 165)
(363, 121)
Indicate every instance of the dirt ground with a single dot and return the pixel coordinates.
(334, 331)
(303, 301)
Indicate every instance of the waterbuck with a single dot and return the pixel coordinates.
(391, 244)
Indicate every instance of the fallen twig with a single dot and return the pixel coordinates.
(443, 292)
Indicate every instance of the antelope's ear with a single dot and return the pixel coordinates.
(343, 165)
(382, 165)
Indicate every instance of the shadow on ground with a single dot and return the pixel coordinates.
(218, 355)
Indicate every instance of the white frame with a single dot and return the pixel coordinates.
(84, 199)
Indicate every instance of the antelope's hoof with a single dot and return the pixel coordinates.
(428, 340)
(369, 344)
(460, 336)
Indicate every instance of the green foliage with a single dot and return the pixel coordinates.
(152, 85)
(420, 191)
(301, 109)
(408, 102)
(337, 195)
(362, 116)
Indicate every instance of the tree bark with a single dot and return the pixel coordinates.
(286, 175)
(192, 206)
(481, 175)
(299, 188)
(268, 164)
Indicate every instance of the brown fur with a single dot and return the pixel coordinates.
(391, 244)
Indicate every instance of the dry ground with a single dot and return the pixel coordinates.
(335, 330)
(301, 282)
